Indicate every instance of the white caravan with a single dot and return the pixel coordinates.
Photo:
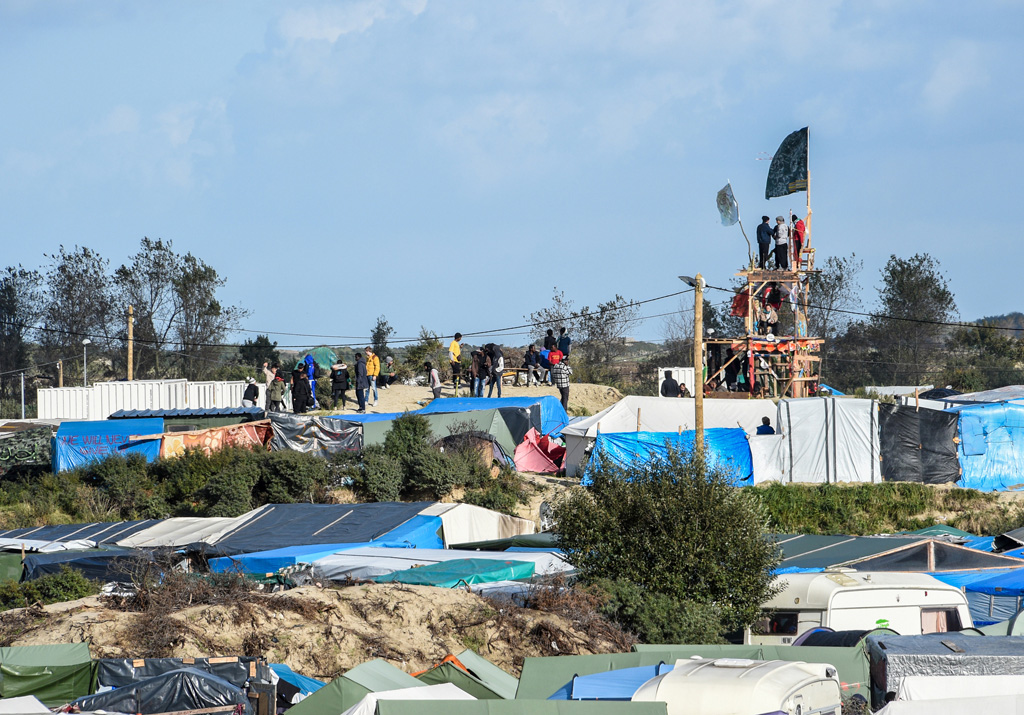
(908, 603)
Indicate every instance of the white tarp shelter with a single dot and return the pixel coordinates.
(371, 561)
(23, 704)
(656, 414)
(945, 687)
(820, 440)
(466, 523)
(185, 530)
(443, 691)
(971, 705)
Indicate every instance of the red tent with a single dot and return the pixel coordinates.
(537, 453)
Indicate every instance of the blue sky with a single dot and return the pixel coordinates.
(447, 164)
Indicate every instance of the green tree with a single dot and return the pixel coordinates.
(21, 300)
(674, 528)
(429, 348)
(835, 289)
(914, 299)
(981, 357)
(379, 337)
(259, 351)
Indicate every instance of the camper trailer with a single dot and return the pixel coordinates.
(732, 685)
(908, 603)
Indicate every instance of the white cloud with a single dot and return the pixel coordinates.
(329, 22)
(122, 119)
(960, 69)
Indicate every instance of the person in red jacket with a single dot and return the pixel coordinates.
(797, 236)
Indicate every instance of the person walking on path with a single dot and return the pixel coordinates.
(435, 379)
(561, 372)
(302, 395)
(797, 238)
(764, 241)
(455, 358)
(275, 394)
(372, 371)
(362, 382)
(781, 236)
(339, 383)
(477, 373)
(251, 394)
(564, 342)
(497, 368)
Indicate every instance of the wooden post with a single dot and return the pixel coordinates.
(131, 343)
(698, 362)
(917, 399)
(637, 419)
(60, 373)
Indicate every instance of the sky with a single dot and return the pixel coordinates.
(449, 164)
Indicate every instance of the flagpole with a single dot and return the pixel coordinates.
(807, 230)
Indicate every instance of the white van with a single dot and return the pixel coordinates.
(908, 603)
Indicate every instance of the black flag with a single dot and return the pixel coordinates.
(788, 172)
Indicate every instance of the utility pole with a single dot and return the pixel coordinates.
(131, 343)
(22, 395)
(60, 373)
(698, 363)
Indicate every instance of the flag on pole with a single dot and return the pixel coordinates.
(727, 206)
(788, 171)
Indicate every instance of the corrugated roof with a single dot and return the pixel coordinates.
(187, 412)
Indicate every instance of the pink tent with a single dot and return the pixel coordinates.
(537, 453)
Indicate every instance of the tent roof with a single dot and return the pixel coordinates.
(553, 416)
(369, 562)
(821, 551)
(999, 394)
(502, 683)
(256, 412)
(659, 414)
(449, 574)
(969, 645)
(542, 540)
(343, 692)
(43, 655)
(108, 532)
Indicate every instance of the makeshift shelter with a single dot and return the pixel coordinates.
(177, 690)
(461, 572)
(619, 684)
(991, 446)
(123, 672)
(494, 422)
(896, 658)
(343, 692)
(992, 594)
(499, 682)
(80, 443)
(370, 562)
(182, 531)
(654, 414)
(72, 536)
(440, 691)
(463, 523)
(453, 671)
(483, 443)
(539, 453)
(253, 435)
(293, 688)
(516, 707)
(26, 449)
(824, 439)
(918, 445)
(23, 704)
(545, 540)
(724, 448)
(55, 674)
(545, 413)
(315, 435)
(111, 564)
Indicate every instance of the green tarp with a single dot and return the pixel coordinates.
(542, 540)
(56, 674)
(10, 566)
(541, 677)
(489, 421)
(480, 678)
(517, 707)
(449, 574)
(343, 692)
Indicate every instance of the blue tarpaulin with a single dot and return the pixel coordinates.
(418, 532)
(724, 447)
(552, 415)
(610, 685)
(79, 443)
(991, 448)
(305, 684)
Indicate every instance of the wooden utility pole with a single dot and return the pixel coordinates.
(131, 342)
(698, 363)
(60, 373)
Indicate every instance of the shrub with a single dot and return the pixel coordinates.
(504, 493)
(381, 476)
(127, 485)
(230, 491)
(659, 618)
(290, 476)
(66, 585)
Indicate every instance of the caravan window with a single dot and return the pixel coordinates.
(777, 623)
(940, 620)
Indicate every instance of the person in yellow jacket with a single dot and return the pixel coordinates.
(372, 371)
(455, 358)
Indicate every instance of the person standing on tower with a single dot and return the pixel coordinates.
(797, 236)
(781, 236)
(764, 241)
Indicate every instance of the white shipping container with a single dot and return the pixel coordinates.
(102, 399)
(682, 375)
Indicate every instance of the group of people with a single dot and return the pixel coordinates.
(487, 365)
(783, 235)
(670, 387)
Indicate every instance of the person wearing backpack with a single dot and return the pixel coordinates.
(275, 394)
(339, 383)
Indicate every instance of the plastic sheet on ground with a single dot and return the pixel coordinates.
(724, 448)
(450, 574)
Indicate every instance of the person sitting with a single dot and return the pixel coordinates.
(765, 427)
(683, 391)
(531, 361)
(669, 387)
(720, 386)
(387, 373)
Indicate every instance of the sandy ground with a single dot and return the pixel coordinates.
(413, 627)
(584, 398)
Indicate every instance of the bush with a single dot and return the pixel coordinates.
(229, 493)
(290, 476)
(658, 618)
(676, 528)
(67, 585)
(126, 482)
(503, 494)
(381, 476)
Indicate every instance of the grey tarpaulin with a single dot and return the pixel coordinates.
(894, 658)
(323, 435)
(119, 672)
(102, 565)
(917, 445)
(279, 525)
(184, 689)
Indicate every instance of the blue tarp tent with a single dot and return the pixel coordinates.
(992, 594)
(610, 685)
(418, 532)
(725, 447)
(552, 415)
(79, 443)
(991, 448)
(304, 684)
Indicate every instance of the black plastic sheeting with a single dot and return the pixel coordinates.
(100, 532)
(184, 689)
(519, 420)
(917, 445)
(280, 525)
(120, 565)
(840, 639)
(319, 435)
(118, 673)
